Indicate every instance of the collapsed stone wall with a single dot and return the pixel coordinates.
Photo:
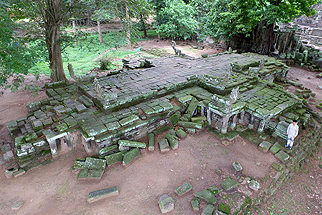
(299, 45)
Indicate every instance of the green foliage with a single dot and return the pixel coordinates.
(105, 63)
(15, 56)
(225, 18)
(177, 19)
(224, 208)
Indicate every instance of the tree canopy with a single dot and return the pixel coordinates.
(15, 56)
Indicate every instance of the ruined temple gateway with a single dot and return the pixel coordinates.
(227, 92)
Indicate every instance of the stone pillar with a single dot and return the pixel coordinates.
(261, 126)
(202, 111)
(53, 148)
(233, 125)
(224, 126)
(209, 117)
(251, 123)
(242, 115)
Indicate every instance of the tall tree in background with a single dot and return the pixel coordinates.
(249, 25)
(15, 57)
(49, 16)
(177, 19)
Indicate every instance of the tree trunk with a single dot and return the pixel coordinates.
(99, 31)
(260, 41)
(143, 25)
(128, 31)
(75, 33)
(52, 27)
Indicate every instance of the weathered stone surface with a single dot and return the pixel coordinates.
(276, 148)
(95, 163)
(114, 158)
(130, 156)
(207, 195)
(190, 124)
(229, 184)
(198, 118)
(102, 194)
(175, 118)
(164, 145)
(17, 205)
(107, 149)
(254, 185)
(192, 107)
(166, 204)
(283, 156)
(151, 142)
(195, 204)
(181, 133)
(208, 210)
(237, 166)
(131, 143)
(128, 120)
(183, 189)
(18, 173)
(172, 141)
(264, 146)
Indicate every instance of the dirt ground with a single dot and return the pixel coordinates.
(54, 188)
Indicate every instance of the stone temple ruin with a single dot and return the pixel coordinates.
(228, 93)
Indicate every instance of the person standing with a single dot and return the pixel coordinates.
(292, 132)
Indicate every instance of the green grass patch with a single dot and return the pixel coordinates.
(86, 55)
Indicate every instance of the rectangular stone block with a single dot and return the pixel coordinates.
(192, 106)
(172, 141)
(283, 156)
(183, 189)
(229, 184)
(195, 204)
(131, 143)
(264, 146)
(114, 158)
(130, 156)
(207, 195)
(107, 149)
(102, 194)
(175, 117)
(164, 145)
(151, 142)
(190, 124)
(276, 148)
(95, 163)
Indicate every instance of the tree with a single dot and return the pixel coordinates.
(177, 19)
(15, 57)
(249, 25)
(49, 16)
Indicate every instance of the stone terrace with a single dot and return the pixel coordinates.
(132, 104)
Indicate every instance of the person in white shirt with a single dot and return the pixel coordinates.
(292, 132)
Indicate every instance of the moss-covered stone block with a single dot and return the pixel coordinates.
(107, 150)
(224, 208)
(164, 145)
(229, 184)
(166, 204)
(130, 156)
(275, 148)
(183, 189)
(282, 156)
(174, 118)
(264, 146)
(195, 204)
(208, 210)
(131, 144)
(151, 141)
(102, 194)
(114, 158)
(207, 195)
